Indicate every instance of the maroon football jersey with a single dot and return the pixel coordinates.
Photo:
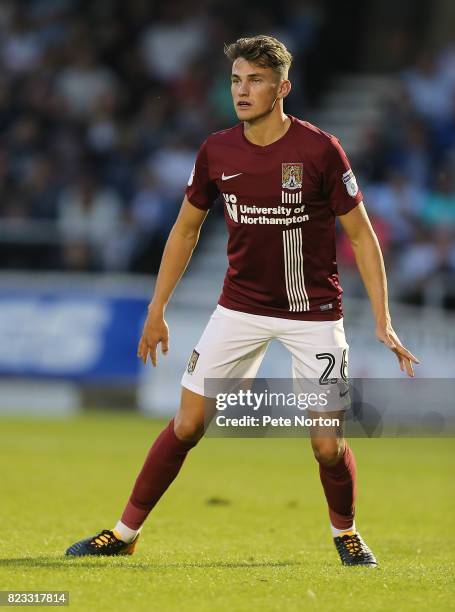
(280, 203)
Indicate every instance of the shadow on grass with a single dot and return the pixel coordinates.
(104, 562)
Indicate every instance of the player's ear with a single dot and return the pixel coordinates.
(284, 88)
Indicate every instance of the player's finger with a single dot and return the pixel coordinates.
(409, 368)
(165, 345)
(142, 350)
(404, 351)
(405, 364)
(401, 354)
(152, 351)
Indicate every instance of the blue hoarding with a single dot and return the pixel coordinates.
(70, 335)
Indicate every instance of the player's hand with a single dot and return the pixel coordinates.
(387, 335)
(155, 332)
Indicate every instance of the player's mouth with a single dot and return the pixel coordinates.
(243, 104)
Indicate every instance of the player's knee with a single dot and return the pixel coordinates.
(188, 429)
(328, 452)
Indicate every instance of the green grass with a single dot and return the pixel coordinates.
(265, 544)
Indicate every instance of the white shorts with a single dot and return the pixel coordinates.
(234, 344)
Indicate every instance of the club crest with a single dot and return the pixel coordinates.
(291, 176)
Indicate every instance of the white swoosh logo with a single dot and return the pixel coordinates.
(226, 178)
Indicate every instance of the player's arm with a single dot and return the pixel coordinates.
(176, 256)
(370, 263)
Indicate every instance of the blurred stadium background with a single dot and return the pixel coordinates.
(102, 108)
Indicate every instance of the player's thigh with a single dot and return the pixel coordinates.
(319, 350)
(319, 362)
(232, 346)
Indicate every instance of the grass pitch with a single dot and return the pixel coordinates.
(244, 527)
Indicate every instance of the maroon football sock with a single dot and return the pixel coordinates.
(163, 463)
(339, 483)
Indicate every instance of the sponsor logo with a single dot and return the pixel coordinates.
(225, 177)
(326, 307)
(291, 176)
(192, 362)
(263, 215)
(232, 211)
(350, 183)
(231, 206)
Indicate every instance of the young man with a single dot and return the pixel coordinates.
(283, 182)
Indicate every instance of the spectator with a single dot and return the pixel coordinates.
(42, 189)
(89, 214)
(439, 206)
(84, 82)
(173, 41)
(429, 89)
(172, 165)
(424, 270)
(398, 202)
(20, 50)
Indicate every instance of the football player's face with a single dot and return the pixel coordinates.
(254, 89)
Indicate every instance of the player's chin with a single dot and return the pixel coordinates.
(246, 113)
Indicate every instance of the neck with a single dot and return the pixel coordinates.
(267, 129)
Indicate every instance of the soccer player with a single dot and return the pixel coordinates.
(283, 183)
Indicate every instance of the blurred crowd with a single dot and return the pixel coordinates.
(102, 109)
(407, 170)
(104, 105)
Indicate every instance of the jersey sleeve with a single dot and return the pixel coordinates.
(201, 191)
(339, 183)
